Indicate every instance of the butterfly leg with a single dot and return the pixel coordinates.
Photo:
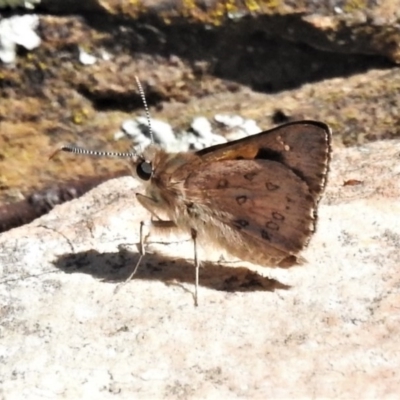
(142, 251)
(143, 238)
(197, 266)
(151, 205)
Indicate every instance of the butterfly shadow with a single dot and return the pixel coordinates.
(118, 266)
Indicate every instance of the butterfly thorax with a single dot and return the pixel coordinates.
(165, 187)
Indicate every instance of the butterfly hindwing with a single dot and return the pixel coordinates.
(262, 200)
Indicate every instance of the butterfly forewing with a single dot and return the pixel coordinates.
(303, 147)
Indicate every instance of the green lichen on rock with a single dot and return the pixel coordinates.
(354, 5)
(220, 10)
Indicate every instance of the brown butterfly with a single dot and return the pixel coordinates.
(256, 197)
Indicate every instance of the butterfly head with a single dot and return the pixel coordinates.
(144, 170)
(144, 162)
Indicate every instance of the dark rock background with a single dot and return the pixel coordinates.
(272, 61)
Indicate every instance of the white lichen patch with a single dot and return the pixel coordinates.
(17, 30)
(203, 134)
(202, 126)
(138, 130)
(237, 126)
(86, 58)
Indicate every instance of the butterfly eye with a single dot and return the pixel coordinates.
(144, 170)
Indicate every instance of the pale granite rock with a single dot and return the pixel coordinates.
(333, 334)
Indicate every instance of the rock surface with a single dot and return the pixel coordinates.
(328, 329)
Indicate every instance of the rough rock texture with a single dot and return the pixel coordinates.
(328, 329)
(41, 202)
(193, 58)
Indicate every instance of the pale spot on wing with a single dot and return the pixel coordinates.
(241, 199)
(222, 183)
(278, 216)
(250, 176)
(271, 186)
(272, 226)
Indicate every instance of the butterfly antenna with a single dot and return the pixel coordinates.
(110, 154)
(94, 153)
(146, 108)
